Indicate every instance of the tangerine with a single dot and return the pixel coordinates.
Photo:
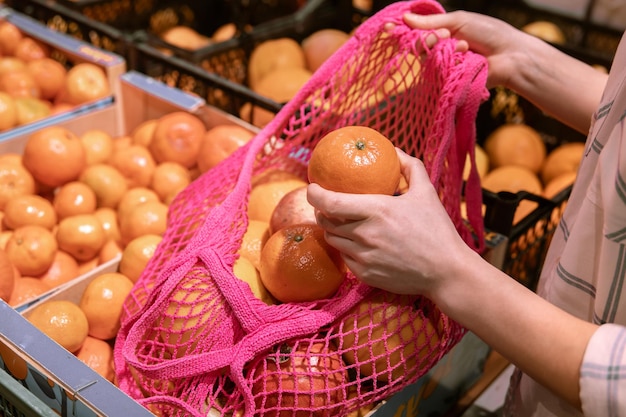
(27, 289)
(132, 198)
(107, 182)
(266, 193)
(110, 250)
(98, 355)
(31, 249)
(515, 144)
(86, 82)
(147, 218)
(177, 138)
(15, 180)
(253, 240)
(245, 271)
(49, 75)
(220, 142)
(64, 268)
(29, 209)
(298, 265)
(355, 159)
(74, 198)
(136, 163)
(7, 277)
(170, 178)
(98, 146)
(389, 337)
(102, 303)
(563, 159)
(110, 225)
(142, 134)
(8, 111)
(137, 254)
(61, 320)
(82, 236)
(54, 156)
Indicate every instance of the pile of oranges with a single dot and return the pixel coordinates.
(87, 328)
(34, 86)
(70, 203)
(514, 158)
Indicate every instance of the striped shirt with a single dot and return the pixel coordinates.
(585, 268)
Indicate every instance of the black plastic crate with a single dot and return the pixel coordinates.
(530, 236)
(198, 71)
(71, 22)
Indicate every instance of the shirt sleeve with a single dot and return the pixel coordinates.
(603, 373)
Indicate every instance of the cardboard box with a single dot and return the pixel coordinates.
(69, 51)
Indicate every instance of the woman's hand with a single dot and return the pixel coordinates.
(404, 244)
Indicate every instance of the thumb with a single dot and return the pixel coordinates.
(413, 169)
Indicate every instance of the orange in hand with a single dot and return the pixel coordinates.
(355, 159)
(297, 265)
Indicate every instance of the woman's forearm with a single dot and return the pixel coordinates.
(560, 85)
(547, 344)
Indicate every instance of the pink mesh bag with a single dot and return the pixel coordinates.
(195, 340)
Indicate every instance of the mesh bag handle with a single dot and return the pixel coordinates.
(194, 339)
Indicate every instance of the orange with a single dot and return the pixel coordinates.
(274, 54)
(110, 250)
(147, 218)
(293, 208)
(54, 155)
(389, 337)
(107, 182)
(321, 44)
(136, 163)
(482, 163)
(515, 144)
(98, 355)
(245, 271)
(49, 75)
(265, 194)
(88, 265)
(5, 235)
(19, 83)
(29, 209)
(558, 184)
(14, 364)
(280, 85)
(7, 277)
(220, 142)
(102, 303)
(63, 321)
(29, 49)
(8, 111)
(74, 198)
(137, 254)
(27, 289)
(10, 35)
(31, 249)
(11, 63)
(132, 198)
(142, 134)
(86, 82)
(82, 236)
(64, 268)
(15, 180)
(169, 179)
(12, 157)
(253, 240)
(191, 308)
(177, 138)
(110, 225)
(297, 265)
(355, 159)
(98, 146)
(512, 178)
(31, 109)
(563, 159)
